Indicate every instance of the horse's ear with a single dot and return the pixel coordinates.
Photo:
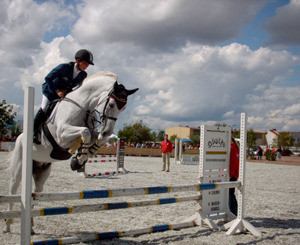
(115, 85)
(132, 91)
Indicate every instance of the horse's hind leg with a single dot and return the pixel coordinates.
(15, 175)
(41, 172)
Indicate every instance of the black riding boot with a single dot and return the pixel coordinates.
(39, 119)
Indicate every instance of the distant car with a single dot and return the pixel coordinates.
(286, 152)
(255, 152)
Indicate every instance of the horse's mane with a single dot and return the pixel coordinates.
(102, 73)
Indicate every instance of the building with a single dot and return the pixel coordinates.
(271, 136)
(261, 138)
(183, 132)
(296, 136)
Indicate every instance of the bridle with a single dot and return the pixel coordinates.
(119, 101)
(111, 95)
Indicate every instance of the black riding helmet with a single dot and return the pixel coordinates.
(85, 55)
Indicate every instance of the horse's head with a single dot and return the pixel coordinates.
(110, 110)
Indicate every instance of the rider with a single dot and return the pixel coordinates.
(62, 80)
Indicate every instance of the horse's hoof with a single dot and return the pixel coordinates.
(75, 164)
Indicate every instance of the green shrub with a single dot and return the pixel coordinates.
(271, 156)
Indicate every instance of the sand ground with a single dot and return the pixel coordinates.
(272, 204)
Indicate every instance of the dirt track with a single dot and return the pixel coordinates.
(272, 205)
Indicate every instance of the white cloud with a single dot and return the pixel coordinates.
(23, 26)
(277, 107)
(224, 82)
(293, 110)
(229, 114)
(163, 24)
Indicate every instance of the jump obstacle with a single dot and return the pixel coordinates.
(181, 157)
(212, 197)
(118, 158)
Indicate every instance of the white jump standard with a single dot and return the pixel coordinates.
(181, 157)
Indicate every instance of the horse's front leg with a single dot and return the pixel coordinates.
(100, 140)
(69, 133)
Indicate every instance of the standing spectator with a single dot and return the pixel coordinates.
(279, 151)
(259, 153)
(233, 174)
(166, 149)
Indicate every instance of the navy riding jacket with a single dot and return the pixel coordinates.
(61, 77)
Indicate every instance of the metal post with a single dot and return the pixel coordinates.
(27, 166)
(242, 172)
(176, 151)
(180, 151)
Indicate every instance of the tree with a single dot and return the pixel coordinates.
(136, 132)
(236, 134)
(251, 139)
(196, 140)
(173, 138)
(15, 131)
(6, 117)
(153, 136)
(284, 139)
(160, 135)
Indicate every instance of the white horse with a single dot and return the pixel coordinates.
(72, 122)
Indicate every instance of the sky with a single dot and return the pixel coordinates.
(195, 62)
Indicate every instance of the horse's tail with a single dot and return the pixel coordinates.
(5, 162)
(14, 155)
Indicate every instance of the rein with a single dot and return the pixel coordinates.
(89, 114)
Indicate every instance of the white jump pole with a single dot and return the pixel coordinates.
(27, 166)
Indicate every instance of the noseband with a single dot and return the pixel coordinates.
(120, 104)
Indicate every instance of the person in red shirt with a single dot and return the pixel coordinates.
(233, 174)
(166, 149)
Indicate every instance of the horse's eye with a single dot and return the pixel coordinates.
(111, 105)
